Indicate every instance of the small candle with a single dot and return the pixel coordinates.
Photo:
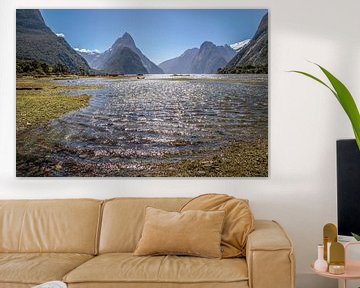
(336, 269)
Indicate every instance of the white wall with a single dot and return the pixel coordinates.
(305, 120)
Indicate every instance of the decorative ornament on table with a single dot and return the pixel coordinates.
(337, 259)
(329, 237)
(320, 264)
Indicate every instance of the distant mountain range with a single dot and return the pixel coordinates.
(113, 60)
(36, 41)
(253, 57)
(91, 57)
(204, 60)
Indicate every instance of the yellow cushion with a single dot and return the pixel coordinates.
(194, 232)
(126, 269)
(36, 268)
(238, 224)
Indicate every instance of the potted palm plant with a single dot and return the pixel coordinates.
(344, 97)
(346, 100)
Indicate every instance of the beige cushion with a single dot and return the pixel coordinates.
(15, 285)
(194, 232)
(237, 284)
(127, 269)
(123, 220)
(239, 220)
(35, 268)
(63, 226)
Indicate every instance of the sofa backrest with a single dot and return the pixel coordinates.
(123, 220)
(64, 226)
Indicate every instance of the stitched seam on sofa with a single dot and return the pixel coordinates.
(291, 255)
(77, 266)
(67, 273)
(152, 281)
(98, 228)
(36, 283)
(250, 270)
(17, 282)
(46, 253)
(22, 226)
(286, 235)
(161, 262)
(271, 249)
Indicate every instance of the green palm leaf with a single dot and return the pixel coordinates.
(357, 237)
(344, 97)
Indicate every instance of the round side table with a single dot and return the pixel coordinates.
(352, 269)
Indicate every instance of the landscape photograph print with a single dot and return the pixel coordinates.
(142, 93)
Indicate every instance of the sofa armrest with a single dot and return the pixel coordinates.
(269, 255)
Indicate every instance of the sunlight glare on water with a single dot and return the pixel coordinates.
(163, 118)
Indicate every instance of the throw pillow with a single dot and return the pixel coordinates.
(196, 233)
(238, 224)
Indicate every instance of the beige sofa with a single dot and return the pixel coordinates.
(89, 243)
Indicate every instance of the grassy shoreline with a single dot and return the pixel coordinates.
(40, 100)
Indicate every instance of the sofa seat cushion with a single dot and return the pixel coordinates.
(127, 268)
(242, 284)
(36, 268)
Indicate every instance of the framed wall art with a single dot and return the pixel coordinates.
(142, 92)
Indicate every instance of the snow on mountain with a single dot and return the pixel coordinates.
(87, 51)
(239, 45)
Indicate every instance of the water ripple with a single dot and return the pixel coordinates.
(161, 118)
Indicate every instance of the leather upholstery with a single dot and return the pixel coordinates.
(15, 285)
(37, 268)
(40, 226)
(64, 226)
(127, 268)
(242, 284)
(123, 218)
(269, 256)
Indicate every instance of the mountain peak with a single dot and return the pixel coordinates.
(207, 44)
(126, 35)
(114, 59)
(126, 40)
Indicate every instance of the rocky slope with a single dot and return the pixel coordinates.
(253, 58)
(239, 45)
(90, 56)
(36, 41)
(181, 64)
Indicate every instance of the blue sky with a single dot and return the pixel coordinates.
(160, 34)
